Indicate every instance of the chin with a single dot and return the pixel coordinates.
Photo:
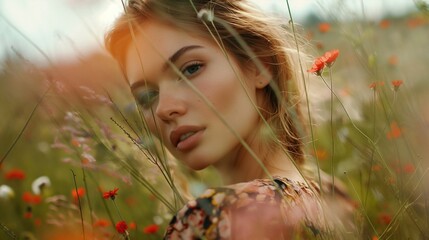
(195, 165)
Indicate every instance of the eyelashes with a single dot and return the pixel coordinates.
(192, 68)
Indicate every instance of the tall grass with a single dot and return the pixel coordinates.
(366, 131)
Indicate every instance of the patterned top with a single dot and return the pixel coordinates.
(259, 209)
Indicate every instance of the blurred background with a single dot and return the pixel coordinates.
(65, 117)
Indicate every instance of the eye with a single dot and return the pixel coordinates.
(192, 69)
(146, 98)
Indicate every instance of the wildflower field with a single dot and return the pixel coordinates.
(74, 161)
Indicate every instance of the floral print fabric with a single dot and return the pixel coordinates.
(259, 209)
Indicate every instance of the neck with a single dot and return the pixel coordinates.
(244, 167)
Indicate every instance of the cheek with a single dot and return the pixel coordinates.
(221, 88)
(152, 123)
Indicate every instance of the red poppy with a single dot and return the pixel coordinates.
(396, 84)
(37, 222)
(317, 67)
(80, 192)
(324, 27)
(28, 215)
(151, 229)
(111, 194)
(28, 212)
(121, 227)
(15, 174)
(385, 218)
(409, 168)
(330, 57)
(30, 198)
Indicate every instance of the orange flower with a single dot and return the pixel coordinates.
(37, 222)
(376, 168)
(111, 194)
(151, 229)
(15, 174)
(30, 198)
(393, 60)
(101, 223)
(317, 67)
(409, 168)
(396, 84)
(415, 22)
(321, 154)
(385, 218)
(75, 142)
(395, 131)
(132, 225)
(375, 84)
(324, 27)
(121, 227)
(330, 57)
(384, 23)
(80, 192)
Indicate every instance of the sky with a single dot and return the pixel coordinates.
(69, 29)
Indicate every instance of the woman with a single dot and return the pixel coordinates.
(217, 83)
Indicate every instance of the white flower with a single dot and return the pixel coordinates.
(158, 220)
(6, 192)
(40, 183)
(209, 15)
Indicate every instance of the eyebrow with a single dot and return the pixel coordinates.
(173, 58)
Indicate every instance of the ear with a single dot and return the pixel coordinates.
(262, 77)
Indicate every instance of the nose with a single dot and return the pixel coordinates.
(170, 104)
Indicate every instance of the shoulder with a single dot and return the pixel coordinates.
(239, 209)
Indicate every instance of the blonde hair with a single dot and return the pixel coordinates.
(270, 42)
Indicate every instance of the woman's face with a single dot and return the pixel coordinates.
(189, 128)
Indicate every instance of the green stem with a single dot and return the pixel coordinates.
(87, 196)
(80, 206)
(372, 149)
(306, 96)
(332, 133)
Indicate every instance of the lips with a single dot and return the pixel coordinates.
(182, 133)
